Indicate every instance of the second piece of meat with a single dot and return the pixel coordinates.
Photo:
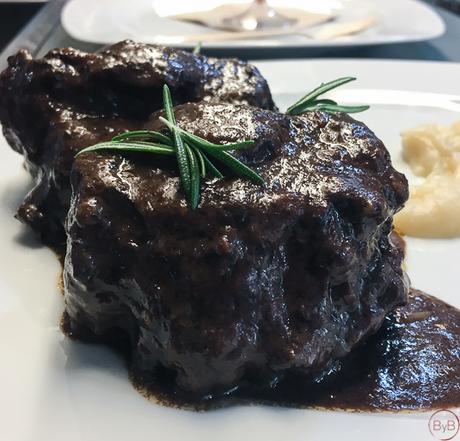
(50, 108)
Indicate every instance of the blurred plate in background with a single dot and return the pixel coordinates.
(109, 21)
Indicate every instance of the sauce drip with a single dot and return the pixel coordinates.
(411, 363)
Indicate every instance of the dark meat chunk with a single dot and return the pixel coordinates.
(54, 106)
(258, 282)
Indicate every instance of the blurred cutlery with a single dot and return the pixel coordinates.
(327, 32)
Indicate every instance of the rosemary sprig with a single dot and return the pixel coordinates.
(311, 102)
(194, 155)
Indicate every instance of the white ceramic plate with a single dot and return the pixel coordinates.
(109, 21)
(54, 389)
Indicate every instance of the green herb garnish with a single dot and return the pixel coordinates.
(194, 155)
(311, 102)
(197, 48)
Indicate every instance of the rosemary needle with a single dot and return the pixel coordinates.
(311, 102)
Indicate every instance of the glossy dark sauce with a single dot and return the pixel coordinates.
(412, 363)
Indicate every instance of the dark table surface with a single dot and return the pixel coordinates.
(13, 17)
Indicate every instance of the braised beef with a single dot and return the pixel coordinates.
(259, 282)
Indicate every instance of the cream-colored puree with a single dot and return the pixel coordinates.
(433, 210)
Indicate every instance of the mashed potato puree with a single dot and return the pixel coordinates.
(433, 210)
